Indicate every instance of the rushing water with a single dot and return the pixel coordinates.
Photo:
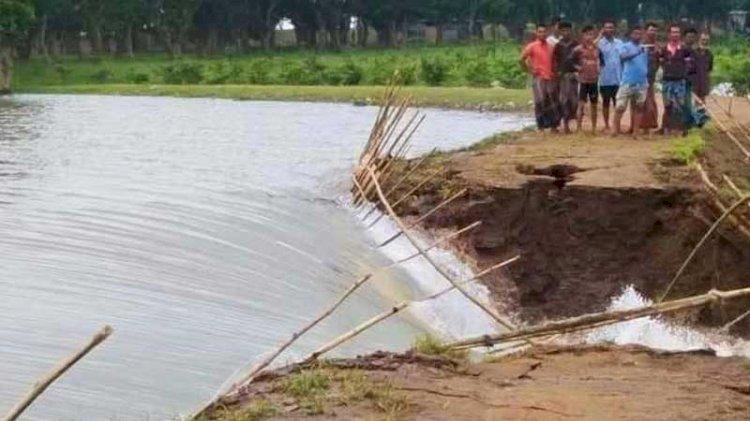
(204, 231)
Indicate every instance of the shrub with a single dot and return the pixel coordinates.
(138, 76)
(686, 150)
(347, 74)
(477, 73)
(182, 73)
(221, 72)
(433, 71)
(307, 72)
(62, 71)
(101, 75)
(259, 72)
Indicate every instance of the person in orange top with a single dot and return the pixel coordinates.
(537, 59)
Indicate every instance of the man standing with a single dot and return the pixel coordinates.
(650, 118)
(675, 62)
(703, 61)
(565, 70)
(537, 59)
(609, 79)
(634, 84)
(586, 57)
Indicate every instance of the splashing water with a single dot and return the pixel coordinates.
(655, 332)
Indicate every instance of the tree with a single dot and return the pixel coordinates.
(173, 19)
(16, 17)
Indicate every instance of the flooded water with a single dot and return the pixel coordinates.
(205, 231)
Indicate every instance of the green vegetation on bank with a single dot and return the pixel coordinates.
(479, 65)
(466, 98)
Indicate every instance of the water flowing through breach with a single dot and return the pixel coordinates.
(204, 230)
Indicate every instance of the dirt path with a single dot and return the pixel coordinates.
(581, 383)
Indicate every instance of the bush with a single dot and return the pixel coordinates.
(433, 71)
(63, 71)
(101, 75)
(477, 73)
(222, 72)
(308, 72)
(259, 72)
(347, 74)
(138, 76)
(686, 150)
(182, 73)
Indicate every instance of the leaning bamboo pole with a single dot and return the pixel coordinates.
(340, 340)
(42, 384)
(700, 244)
(593, 320)
(738, 221)
(429, 259)
(724, 129)
(424, 217)
(406, 195)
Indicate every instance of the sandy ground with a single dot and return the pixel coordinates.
(581, 383)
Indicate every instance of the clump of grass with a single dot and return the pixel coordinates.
(254, 411)
(686, 150)
(430, 345)
(309, 387)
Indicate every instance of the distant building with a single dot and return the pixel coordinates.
(739, 21)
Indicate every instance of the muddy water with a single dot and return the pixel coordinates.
(203, 230)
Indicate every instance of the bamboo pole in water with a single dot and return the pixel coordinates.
(42, 384)
(406, 195)
(700, 244)
(395, 310)
(427, 257)
(445, 203)
(593, 320)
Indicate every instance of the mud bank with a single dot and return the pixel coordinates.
(589, 216)
(548, 383)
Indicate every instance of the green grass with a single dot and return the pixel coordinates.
(686, 150)
(491, 98)
(430, 345)
(485, 76)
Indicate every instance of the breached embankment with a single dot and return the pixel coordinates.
(589, 216)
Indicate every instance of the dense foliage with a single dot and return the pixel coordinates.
(215, 25)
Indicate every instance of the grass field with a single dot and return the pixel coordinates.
(445, 97)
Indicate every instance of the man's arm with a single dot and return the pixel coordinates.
(524, 60)
(628, 53)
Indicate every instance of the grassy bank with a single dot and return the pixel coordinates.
(464, 98)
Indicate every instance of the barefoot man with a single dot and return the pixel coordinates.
(609, 79)
(565, 70)
(634, 85)
(587, 62)
(537, 59)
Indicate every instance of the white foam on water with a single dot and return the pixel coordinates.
(451, 315)
(657, 333)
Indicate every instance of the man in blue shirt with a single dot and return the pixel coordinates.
(609, 78)
(634, 83)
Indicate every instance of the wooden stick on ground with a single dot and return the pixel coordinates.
(700, 244)
(445, 203)
(43, 383)
(724, 129)
(735, 321)
(427, 257)
(597, 319)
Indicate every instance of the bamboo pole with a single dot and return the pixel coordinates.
(395, 310)
(397, 184)
(445, 203)
(742, 224)
(443, 240)
(407, 195)
(735, 321)
(42, 384)
(432, 262)
(589, 321)
(708, 234)
(723, 128)
(734, 187)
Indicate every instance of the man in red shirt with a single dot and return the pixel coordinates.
(537, 59)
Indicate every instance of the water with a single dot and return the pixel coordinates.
(205, 231)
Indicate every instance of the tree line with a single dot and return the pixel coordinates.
(211, 24)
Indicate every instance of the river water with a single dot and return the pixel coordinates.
(204, 231)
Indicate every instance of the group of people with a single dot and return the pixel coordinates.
(570, 73)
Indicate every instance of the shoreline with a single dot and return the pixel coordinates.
(458, 98)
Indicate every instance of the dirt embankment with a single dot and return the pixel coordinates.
(552, 383)
(588, 215)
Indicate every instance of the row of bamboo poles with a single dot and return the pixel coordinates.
(376, 181)
(726, 191)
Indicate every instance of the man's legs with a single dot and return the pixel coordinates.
(623, 99)
(608, 98)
